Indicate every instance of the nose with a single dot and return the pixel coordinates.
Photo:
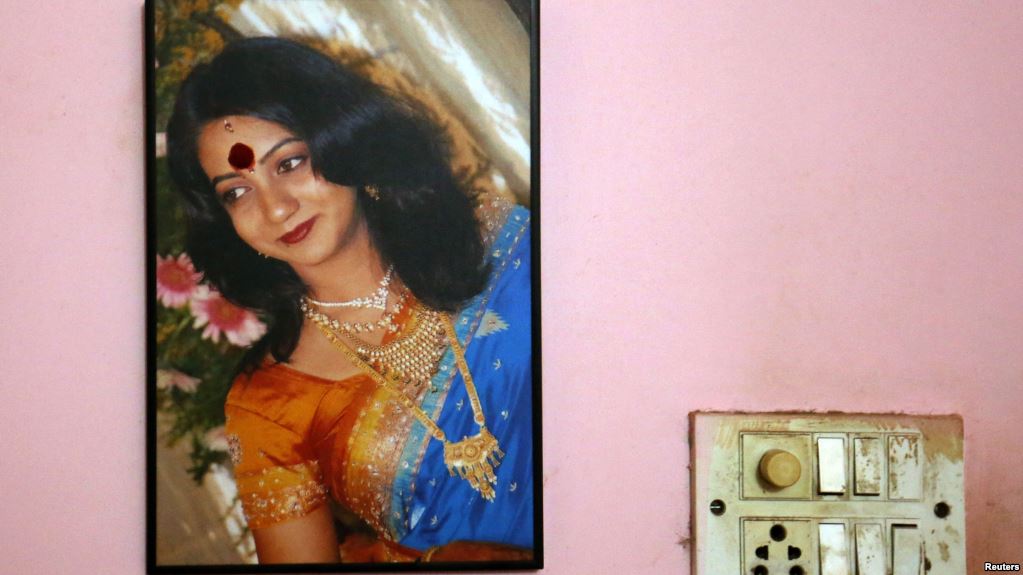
(277, 203)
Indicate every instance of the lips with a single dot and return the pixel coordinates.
(299, 233)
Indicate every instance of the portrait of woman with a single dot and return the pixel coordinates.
(380, 407)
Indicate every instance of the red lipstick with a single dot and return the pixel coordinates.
(299, 233)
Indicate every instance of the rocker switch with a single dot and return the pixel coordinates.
(867, 464)
(870, 555)
(834, 549)
(906, 550)
(831, 465)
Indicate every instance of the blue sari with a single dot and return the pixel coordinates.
(430, 507)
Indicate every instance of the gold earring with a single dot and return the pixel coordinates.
(372, 192)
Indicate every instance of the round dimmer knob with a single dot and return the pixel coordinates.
(779, 468)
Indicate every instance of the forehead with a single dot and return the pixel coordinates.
(218, 137)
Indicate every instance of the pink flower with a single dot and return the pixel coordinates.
(168, 378)
(176, 280)
(239, 325)
(216, 439)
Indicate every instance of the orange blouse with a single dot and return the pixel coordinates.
(270, 420)
(295, 438)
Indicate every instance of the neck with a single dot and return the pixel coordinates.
(354, 272)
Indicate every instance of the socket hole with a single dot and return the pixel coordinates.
(760, 570)
(795, 552)
(942, 510)
(717, 507)
(761, 552)
(797, 570)
(778, 532)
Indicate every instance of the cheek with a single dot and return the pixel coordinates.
(343, 199)
(338, 200)
(345, 202)
(247, 227)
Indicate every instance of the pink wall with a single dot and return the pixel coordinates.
(796, 205)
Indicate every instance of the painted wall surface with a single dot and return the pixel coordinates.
(755, 206)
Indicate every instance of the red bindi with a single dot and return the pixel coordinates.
(241, 157)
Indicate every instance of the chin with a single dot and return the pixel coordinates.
(309, 257)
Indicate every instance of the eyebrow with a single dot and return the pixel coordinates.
(262, 160)
(276, 146)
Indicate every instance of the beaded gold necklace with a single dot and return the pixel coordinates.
(473, 458)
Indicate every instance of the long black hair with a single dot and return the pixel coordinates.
(423, 220)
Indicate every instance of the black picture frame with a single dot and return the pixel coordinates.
(202, 457)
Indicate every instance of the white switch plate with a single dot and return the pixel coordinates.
(918, 477)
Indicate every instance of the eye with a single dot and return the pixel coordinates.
(290, 164)
(232, 195)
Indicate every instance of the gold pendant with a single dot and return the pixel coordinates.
(475, 458)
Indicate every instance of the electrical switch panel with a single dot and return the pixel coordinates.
(837, 494)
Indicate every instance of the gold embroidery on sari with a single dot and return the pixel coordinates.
(374, 451)
(492, 211)
(276, 494)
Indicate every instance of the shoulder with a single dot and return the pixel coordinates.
(268, 417)
(497, 216)
(507, 239)
(509, 250)
(277, 394)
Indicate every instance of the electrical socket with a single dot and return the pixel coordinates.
(777, 547)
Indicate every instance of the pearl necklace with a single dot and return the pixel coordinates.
(386, 321)
(376, 300)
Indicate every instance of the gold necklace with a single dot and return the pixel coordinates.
(473, 458)
(411, 358)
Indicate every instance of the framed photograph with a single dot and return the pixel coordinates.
(343, 286)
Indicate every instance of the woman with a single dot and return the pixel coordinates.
(395, 376)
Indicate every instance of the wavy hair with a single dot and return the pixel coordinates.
(359, 135)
